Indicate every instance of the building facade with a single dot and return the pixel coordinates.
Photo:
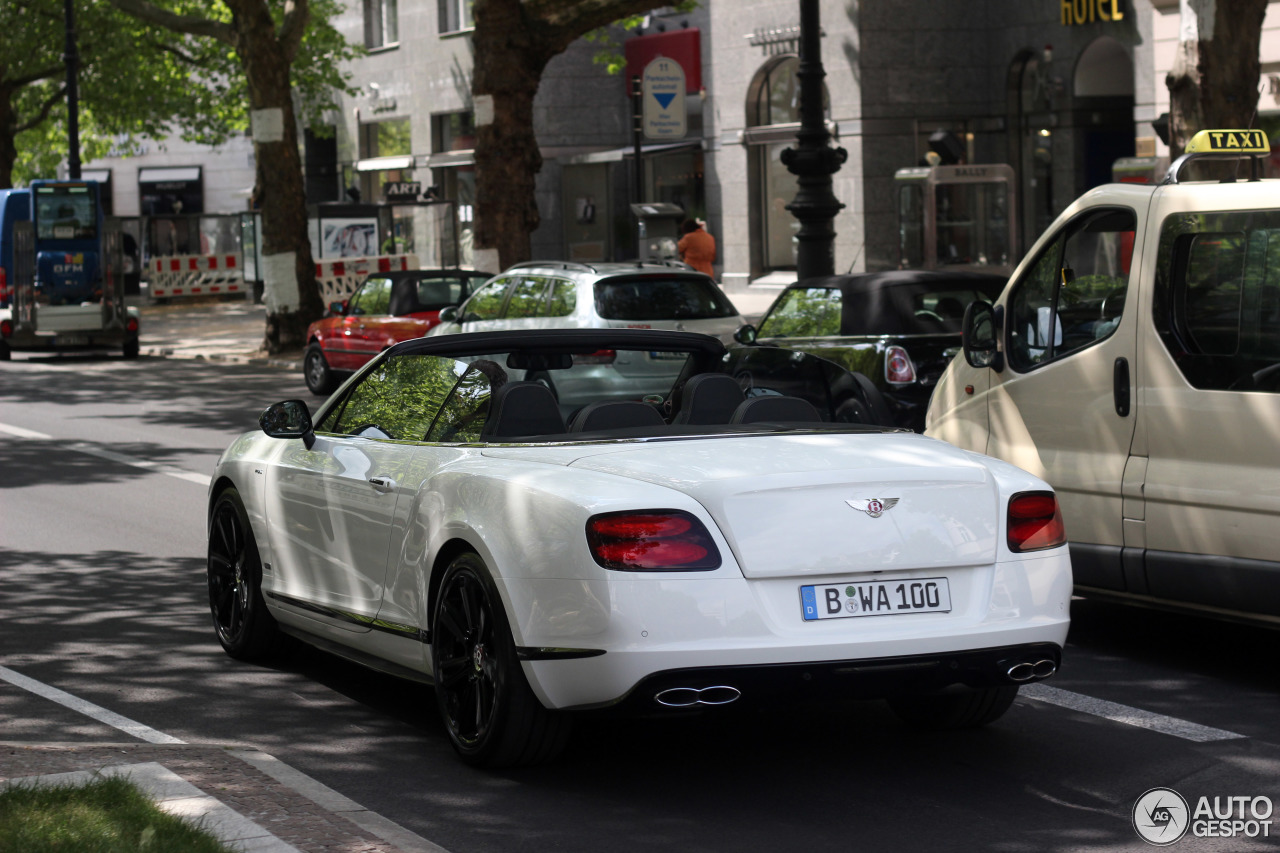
(1057, 89)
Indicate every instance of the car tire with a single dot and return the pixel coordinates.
(491, 714)
(246, 630)
(132, 348)
(316, 371)
(5, 353)
(968, 708)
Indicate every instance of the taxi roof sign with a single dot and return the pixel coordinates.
(1229, 142)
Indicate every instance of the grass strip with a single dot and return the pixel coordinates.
(109, 815)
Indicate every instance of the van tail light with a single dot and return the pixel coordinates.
(4, 286)
(600, 356)
(899, 369)
(655, 540)
(6, 329)
(1035, 522)
(131, 325)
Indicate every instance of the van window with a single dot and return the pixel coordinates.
(1074, 294)
(1217, 299)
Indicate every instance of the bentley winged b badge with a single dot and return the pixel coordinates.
(874, 507)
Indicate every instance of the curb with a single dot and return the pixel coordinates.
(172, 774)
(282, 362)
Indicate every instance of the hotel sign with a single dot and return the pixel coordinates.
(1075, 12)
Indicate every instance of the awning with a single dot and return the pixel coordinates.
(383, 164)
(614, 155)
(170, 175)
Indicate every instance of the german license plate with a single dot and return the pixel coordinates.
(875, 598)
(667, 356)
(71, 340)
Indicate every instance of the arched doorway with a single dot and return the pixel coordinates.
(1102, 110)
(773, 117)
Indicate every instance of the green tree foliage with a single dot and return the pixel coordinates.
(137, 80)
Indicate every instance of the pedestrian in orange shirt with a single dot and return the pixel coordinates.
(697, 248)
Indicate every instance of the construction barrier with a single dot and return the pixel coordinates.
(195, 275)
(339, 278)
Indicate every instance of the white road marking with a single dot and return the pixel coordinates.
(112, 456)
(82, 706)
(1124, 714)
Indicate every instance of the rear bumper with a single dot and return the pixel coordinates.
(701, 688)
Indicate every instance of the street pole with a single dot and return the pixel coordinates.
(637, 136)
(813, 160)
(72, 60)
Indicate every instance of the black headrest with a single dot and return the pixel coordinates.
(708, 398)
(618, 414)
(774, 410)
(523, 408)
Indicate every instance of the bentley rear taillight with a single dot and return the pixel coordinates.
(1035, 522)
(899, 369)
(659, 540)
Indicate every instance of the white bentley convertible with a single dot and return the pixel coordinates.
(548, 523)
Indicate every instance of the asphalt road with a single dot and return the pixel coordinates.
(103, 473)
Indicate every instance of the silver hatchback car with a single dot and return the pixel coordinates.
(567, 295)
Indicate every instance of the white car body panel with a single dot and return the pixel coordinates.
(524, 510)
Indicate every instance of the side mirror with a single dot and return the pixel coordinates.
(337, 309)
(982, 336)
(290, 419)
(746, 334)
(449, 314)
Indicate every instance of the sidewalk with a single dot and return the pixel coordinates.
(250, 799)
(233, 331)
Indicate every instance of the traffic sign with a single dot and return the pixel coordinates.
(663, 95)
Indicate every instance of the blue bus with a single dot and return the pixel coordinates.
(61, 276)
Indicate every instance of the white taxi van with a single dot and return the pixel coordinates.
(1133, 362)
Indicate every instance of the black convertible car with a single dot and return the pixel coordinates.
(897, 328)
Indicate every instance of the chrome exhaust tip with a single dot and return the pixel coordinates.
(1044, 668)
(687, 697)
(1022, 671)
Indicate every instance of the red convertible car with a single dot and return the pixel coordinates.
(387, 308)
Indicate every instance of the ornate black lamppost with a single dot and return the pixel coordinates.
(813, 160)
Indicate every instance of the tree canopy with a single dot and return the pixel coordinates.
(136, 80)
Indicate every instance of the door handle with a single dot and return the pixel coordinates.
(382, 484)
(1120, 379)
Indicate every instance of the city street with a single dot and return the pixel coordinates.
(105, 470)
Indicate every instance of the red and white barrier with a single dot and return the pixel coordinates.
(195, 275)
(338, 278)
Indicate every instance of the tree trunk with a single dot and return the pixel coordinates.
(288, 269)
(509, 59)
(8, 131)
(1214, 80)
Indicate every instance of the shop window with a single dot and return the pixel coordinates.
(455, 15)
(773, 116)
(381, 27)
(1217, 299)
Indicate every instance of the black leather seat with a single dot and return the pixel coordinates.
(775, 410)
(709, 398)
(523, 409)
(619, 414)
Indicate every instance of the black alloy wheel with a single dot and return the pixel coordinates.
(491, 714)
(315, 369)
(244, 627)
